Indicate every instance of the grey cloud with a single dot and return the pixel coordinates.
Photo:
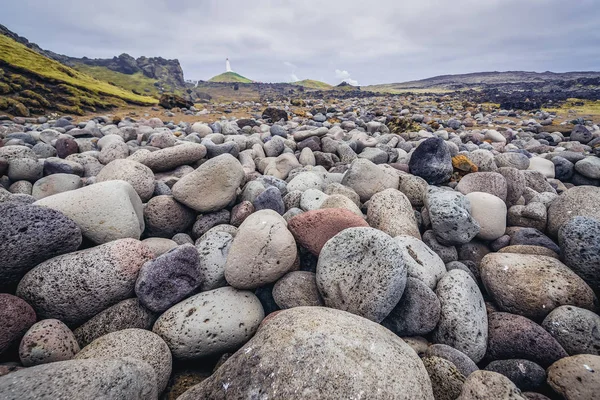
(377, 41)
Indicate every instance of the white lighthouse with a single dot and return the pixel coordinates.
(227, 65)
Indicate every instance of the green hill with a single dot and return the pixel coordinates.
(32, 83)
(230, 77)
(312, 84)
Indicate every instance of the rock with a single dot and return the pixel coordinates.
(362, 270)
(314, 228)
(282, 165)
(170, 101)
(394, 371)
(446, 253)
(134, 343)
(210, 323)
(515, 184)
(82, 379)
(488, 182)
(546, 167)
(212, 186)
(581, 134)
(213, 249)
(270, 199)
(532, 285)
(173, 157)
(422, 262)
(297, 289)
(446, 380)
(529, 249)
(366, 179)
(76, 286)
(417, 312)
(576, 329)
(525, 374)
(274, 114)
(563, 168)
(113, 151)
(54, 184)
(463, 317)
(341, 201)
(312, 199)
(463, 363)
(139, 176)
(532, 237)
(16, 317)
(489, 212)
(589, 167)
(104, 211)
(168, 279)
(262, 251)
(391, 212)
(206, 222)
(304, 181)
(450, 214)
(47, 341)
(25, 169)
(579, 240)
(512, 160)
(123, 315)
(165, 217)
(414, 188)
(577, 201)
(512, 336)
(431, 161)
(576, 378)
(30, 235)
(483, 385)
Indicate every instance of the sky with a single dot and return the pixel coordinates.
(361, 42)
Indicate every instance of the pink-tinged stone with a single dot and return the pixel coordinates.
(16, 316)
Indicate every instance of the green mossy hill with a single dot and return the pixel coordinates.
(230, 77)
(137, 83)
(32, 83)
(312, 84)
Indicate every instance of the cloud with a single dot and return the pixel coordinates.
(294, 77)
(379, 43)
(345, 77)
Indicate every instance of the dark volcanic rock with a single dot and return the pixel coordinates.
(170, 101)
(431, 161)
(274, 114)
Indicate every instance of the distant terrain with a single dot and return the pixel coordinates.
(34, 80)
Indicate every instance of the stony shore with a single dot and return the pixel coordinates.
(342, 253)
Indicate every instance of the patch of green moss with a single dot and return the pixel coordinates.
(34, 96)
(137, 83)
(4, 88)
(69, 109)
(401, 124)
(27, 101)
(16, 87)
(16, 108)
(18, 79)
(3, 103)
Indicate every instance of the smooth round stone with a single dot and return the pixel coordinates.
(166, 280)
(576, 378)
(414, 187)
(546, 167)
(487, 182)
(25, 169)
(139, 176)
(494, 136)
(54, 184)
(201, 129)
(366, 179)
(431, 161)
(490, 213)
(55, 165)
(113, 151)
(208, 221)
(270, 199)
(297, 289)
(16, 317)
(576, 329)
(363, 271)
(532, 285)
(484, 385)
(512, 160)
(577, 201)
(589, 167)
(341, 201)
(212, 186)
(581, 134)
(117, 210)
(210, 323)
(446, 253)
(281, 166)
(76, 286)
(21, 187)
(529, 249)
(312, 199)
(47, 341)
(159, 246)
(133, 343)
(525, 374)
(515, 184)
(579, 240)
(463, 317)
(82, 379)
(483, 159)
(123, 315)
(338, 188)
(43, 150)
(390, 211)
(213, 249)
(450, 215)
(312, 229)
(240, 212)
(262, 251)
(463, 363)
(446, 379)
(422, 262)
(532, 237)
(512, 336)
(30, 235)
(393, 371)
(563, 168)
(306, 180)
(417, 312)
(172, 157)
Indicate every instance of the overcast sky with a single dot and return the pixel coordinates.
(365, 42)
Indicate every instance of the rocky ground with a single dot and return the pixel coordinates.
(359, 248)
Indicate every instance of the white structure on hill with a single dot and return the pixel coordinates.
(227, 65)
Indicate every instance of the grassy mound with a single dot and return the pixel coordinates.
(230, 77)
(137, 83)
(28, 63)
(312, 84)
